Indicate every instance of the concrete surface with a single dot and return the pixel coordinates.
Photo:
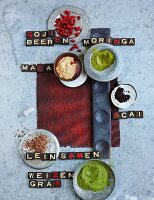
(133, 162)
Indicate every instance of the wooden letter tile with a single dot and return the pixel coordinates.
(37, 34)
(57, 40)
(116, 41)
(51, 33)
(39, 175)
(87, 155)
(37, 156)
(65, 41)
(57, 183)
(71, 155)
(79, 155)
(43, 34)
(43, 42)
(32, 183)
(115, 115)
(139, 114)
(40, 184)
(48, 67)
(32, 68)
(48, 184)
(29, 156)
(131, 114)
(36, 42)
(123, 115)
(94, 41)
(63, 175)
(86, 42)
(31, 175)
(96, 154)
(29, 34)
(131, 41)
(29, 42)
(40, 68)
(62, 156)
(69, 175)
(49, 42)
(24, 67)
(55, 175)
(123, 41)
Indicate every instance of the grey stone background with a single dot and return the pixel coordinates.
(133, 162)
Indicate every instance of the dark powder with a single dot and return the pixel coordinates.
(120, 96)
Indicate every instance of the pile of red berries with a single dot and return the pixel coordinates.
(65, 25)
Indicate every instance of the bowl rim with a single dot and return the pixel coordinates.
(64, 55)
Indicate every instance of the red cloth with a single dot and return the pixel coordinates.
(115, 124)
(67, 112)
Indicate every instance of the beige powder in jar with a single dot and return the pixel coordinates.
(66, 68)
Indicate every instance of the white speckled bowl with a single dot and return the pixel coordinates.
(88, 194)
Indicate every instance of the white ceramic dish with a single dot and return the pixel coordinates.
(53, 147)
(88, 194)
(108, 74)
(84, 22)
(129, 89)
(77, 82)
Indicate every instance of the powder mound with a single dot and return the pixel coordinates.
(121, 96)
(66, 68)
(37, 144)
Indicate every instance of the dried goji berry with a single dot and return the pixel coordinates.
(72, 48)
(72, 40)
(67, 12)
(78, 17)
(78, 28)
(77, 34)
(76, 46)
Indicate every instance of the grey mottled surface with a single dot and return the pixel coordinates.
(133, 162)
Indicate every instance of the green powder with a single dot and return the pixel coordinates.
(93, 176)
(102, 59)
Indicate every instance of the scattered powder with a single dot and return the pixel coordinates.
(20, 133)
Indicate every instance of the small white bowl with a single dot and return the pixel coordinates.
(53, 147)
(88, 194)
(129, 89)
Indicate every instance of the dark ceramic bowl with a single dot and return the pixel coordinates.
(77, 60)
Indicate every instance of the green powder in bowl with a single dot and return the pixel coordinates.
(102, 59)
(93, 176)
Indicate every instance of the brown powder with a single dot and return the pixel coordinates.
(120, 96)
(37, 144)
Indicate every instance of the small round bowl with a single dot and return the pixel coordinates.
(129, 90)
(88, 194)
(53, 147)
(78, 61)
